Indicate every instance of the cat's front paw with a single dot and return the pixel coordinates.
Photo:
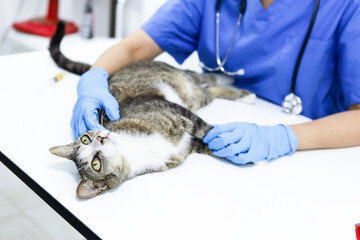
(248, 99)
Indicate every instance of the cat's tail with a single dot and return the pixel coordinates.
(59, 58)
(198, 146)
(196, 126)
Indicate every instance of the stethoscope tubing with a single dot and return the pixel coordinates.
(217, 41)
(303, 46)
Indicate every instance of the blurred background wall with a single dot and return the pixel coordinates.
(129, 14)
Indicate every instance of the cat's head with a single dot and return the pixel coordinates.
(98, 159)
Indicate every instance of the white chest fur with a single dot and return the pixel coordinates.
(148, 152)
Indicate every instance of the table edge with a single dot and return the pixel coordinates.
(50, 200)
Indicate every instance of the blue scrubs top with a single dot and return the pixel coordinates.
(267, 45)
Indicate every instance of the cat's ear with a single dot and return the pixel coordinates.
(88, 188)
(65, 151)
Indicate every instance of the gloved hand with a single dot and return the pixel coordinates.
(93, 94)
(243, 142)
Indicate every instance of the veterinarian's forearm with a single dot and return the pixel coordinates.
(138, 46)
(334, 131)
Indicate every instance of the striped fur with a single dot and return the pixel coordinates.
(158, 128)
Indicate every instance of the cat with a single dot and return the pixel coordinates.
(158, 128)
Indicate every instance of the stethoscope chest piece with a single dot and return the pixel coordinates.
(292, 104)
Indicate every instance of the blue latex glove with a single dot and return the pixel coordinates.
(244, 142)
(93, 94)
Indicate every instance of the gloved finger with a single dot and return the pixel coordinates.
(245, 158)
(224, 140)
(218, 129)
(111, 107)
(217, 143)
(243, 146)
(227, 151)
(210, 135)
(80, 128)
(224, 152)
(91, 120)
(239, 159)
(227, 138)
(77, 121)
(234, 149)
(73, 127)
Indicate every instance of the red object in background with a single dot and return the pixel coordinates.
(45, 26)
(357, 231)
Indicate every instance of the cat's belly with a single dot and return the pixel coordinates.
(149, 152)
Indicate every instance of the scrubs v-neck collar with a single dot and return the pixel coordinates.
(255, 9)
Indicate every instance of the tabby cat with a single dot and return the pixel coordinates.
(157, 129)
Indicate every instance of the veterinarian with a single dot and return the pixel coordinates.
(304, 55)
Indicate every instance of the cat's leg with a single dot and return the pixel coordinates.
(230, 93)
(216, 79)
(210, 78)
(173, 161)
(201, 78)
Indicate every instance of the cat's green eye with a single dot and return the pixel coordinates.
(85, 139)
(96, 164)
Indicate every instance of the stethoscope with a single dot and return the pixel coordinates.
(291, 103)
